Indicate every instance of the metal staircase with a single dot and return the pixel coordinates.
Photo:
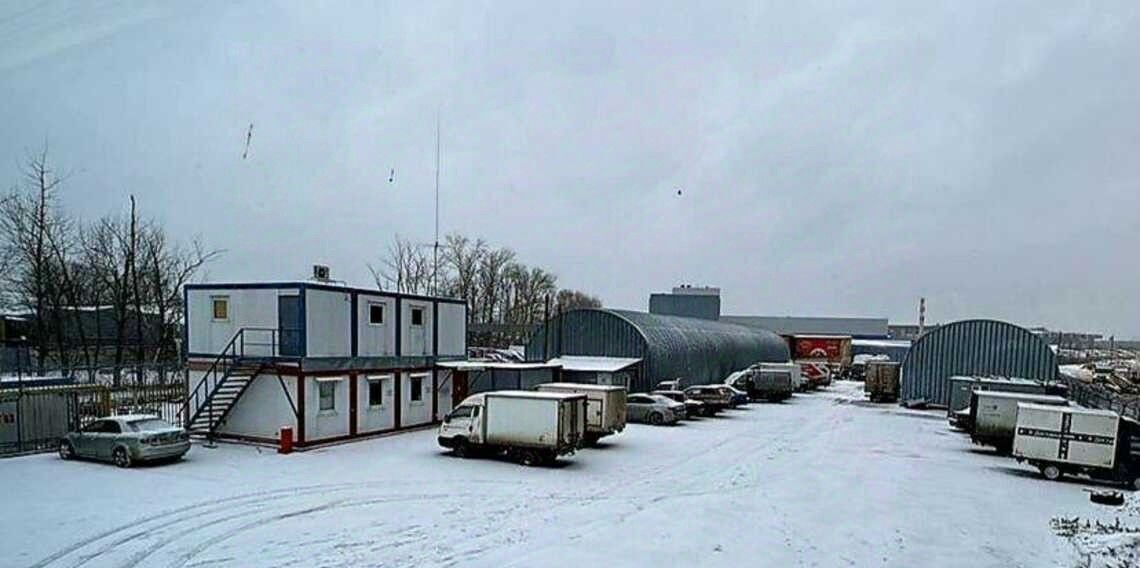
(209, 403)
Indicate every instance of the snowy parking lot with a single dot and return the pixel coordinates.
(822, 480)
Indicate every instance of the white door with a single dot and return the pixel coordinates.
(377, 403)
(417, 329)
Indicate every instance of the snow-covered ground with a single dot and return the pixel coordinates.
(822, 480)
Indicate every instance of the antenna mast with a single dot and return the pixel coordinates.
(435, 246)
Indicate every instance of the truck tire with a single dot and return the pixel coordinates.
(656, 419)
(461, 448)
(590, 439)
(531, 458)
(66, 451)
(1051, 472)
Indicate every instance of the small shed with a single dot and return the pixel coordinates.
(596, 370)
(473, 377)
(973, 347)
(697, 350)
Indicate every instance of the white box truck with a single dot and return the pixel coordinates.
(605, 407)
(533, 428)
(773, 382)
(993, 415)
(1060, 440)
(962, 387)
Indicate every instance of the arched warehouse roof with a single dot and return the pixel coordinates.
(697, 350)
(973, 347)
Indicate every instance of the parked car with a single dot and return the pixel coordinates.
(673, 385)
(126, 440)
(654, 409)
(715, 397)
(692, 407)
(738, 397)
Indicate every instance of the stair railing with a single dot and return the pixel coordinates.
(238, 348)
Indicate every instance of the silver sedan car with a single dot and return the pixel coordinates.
(126, 440)
(653, 409)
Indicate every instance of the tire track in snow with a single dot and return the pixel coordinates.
(102, 545)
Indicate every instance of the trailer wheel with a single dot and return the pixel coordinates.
(1051, 472)
(656, 419)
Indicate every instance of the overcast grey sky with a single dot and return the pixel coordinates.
(835, 158)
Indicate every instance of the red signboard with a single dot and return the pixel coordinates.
(819, 348)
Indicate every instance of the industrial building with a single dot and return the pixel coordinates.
(704, 302)
(330, 362)
(973, 348)
(696, 350)
(687, 301)
(856, 328)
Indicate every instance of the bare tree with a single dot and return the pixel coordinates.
(491, 283)
(573, 299)
(406, 266)
(28, 220)
(499, 290)
(461, 259)
(166, 269)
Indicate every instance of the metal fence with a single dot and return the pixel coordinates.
(1096, 396)
(35, 411)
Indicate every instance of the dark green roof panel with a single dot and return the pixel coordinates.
(696, 350)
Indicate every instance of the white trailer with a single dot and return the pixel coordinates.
(531, 427)
(605, 407)
(993, 415)
(1062, 440)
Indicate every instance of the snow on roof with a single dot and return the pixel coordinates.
(476, 365)
(881, 342)
(580, 386)
(1068, 409)
(533, 394)
(131, 417)
(1028, 397)
(995, 380)
(598, 364)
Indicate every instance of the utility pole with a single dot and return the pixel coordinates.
(435, 247)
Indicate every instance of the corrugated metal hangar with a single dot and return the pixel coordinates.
(973, 347)
(696, 350)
